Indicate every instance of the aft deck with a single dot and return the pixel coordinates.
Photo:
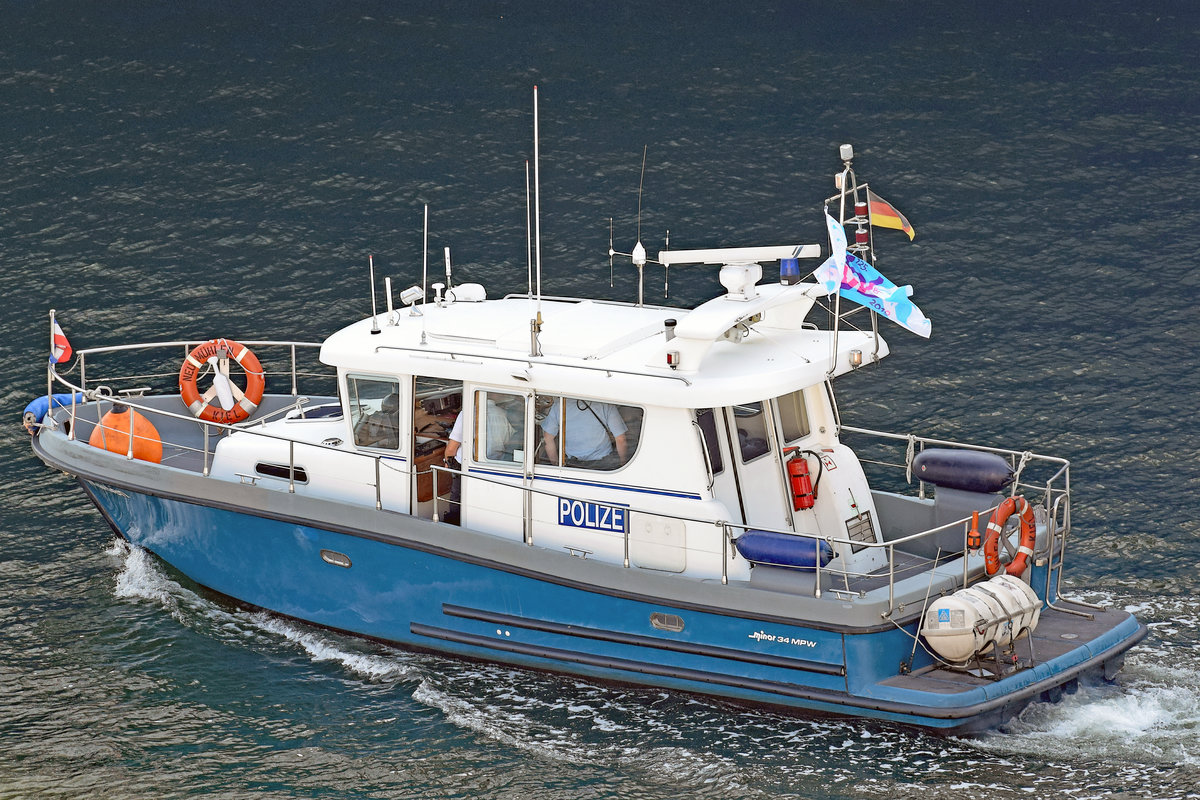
(1067, 629)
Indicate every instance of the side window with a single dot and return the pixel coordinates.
(435, 416)
(793, 416)
(587, 434)
(708, 427)
(751, 430)
(375, 411)
(499, 427)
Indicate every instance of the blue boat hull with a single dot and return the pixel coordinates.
(416, 596)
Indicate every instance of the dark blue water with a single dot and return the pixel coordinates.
(191, 170)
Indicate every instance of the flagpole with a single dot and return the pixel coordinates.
(50, 366)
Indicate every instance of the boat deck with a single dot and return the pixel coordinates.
(183, 443)
(1058, 632)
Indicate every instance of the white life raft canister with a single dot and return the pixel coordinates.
(988, 615)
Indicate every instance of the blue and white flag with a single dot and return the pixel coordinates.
(831, 270)
(864, 284)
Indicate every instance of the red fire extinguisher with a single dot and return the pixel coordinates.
(803, 494)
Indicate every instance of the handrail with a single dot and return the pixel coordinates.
(189, 343)
(528, 362)
(187, 346)
(961, 445)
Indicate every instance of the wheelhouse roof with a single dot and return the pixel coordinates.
(728, 350)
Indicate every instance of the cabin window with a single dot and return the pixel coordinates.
(499, 427)
(751, 430)
(587, 434)
(707, 421)
(436, 410)
(375, 411)
(793, 415)
(281, 471)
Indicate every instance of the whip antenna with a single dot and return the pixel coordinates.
(425, 257)
(374, 318)
(528, 231)
(639, 252)
(535, 326)
(611, 253)
(641, 183)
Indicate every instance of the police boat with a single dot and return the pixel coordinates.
(655, 496)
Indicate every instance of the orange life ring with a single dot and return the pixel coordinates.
(246, 400)
(991, 545)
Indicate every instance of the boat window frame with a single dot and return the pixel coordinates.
(766, 438)
(710, 442)
(782, 417)
(608, 463)
(480, 425)
(358, 423)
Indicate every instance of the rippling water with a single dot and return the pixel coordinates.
(173, 172)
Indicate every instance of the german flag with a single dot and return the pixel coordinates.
(883, 215)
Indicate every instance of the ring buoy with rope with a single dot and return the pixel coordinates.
(991, 545)
(219, 351)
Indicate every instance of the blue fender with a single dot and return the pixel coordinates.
(36, 411)
(968, 470)
(783, 550)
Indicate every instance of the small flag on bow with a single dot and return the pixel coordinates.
(60, 348)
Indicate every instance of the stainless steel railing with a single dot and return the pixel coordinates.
(1054, 485)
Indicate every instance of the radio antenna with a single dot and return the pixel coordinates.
(425, 258)
(374, 317)
(611, 253)
(535, 325)
(641, 183)
(639, 252)
(638, 256)
(667, 267)
(528, 231)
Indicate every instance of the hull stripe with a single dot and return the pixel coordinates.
(712, 651)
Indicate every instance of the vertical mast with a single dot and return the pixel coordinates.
(50, 370)
(535, 326)
(425, 258)
(528, 231)
(374, 313)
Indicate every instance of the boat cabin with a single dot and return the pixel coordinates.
(632, 434)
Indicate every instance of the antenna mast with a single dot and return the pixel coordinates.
(528, 231)
(639, 251)
(374, 316)
(425, 258)
(535, 325)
